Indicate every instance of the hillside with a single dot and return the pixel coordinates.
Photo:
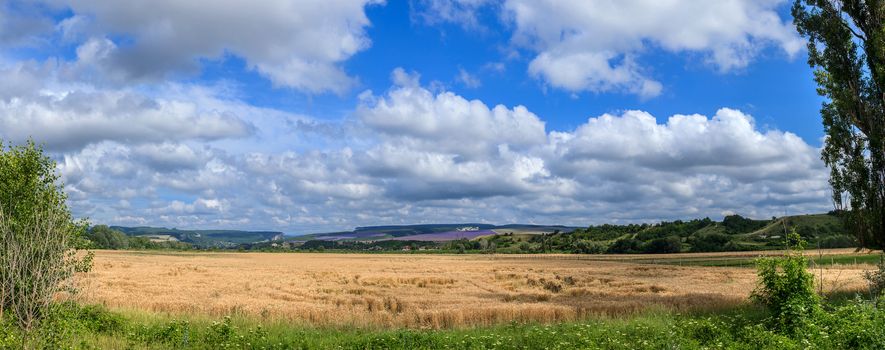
(431, 232)
(201, 238)
(733, 233)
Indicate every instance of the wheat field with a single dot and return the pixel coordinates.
(415, 291)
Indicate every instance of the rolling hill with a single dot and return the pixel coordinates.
(430, 232)
(202, 238)
(733, 233)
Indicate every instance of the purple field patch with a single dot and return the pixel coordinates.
(334, 238)
(445, 236)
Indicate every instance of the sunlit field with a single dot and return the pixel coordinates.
(425, 291)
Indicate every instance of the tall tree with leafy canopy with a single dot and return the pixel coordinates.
(846, 47)
(38, 237)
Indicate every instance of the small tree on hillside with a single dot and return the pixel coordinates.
(38, 238)
(846, 46)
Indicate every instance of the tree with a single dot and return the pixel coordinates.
(846, 47)
(670, 244)
(104, 237)
(710, 242)
(38, 238)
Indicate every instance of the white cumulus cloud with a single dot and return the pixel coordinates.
(297, 44)
(591, 45)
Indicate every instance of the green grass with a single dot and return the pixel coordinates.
(851, 325)
(749, 262)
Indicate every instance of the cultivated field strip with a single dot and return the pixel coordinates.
(418, 291)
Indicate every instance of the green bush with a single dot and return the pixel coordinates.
(876, 279)
(786, 288)
(711, 242)
(104, 237)
(625, 246)
(38, 237)
(736, 224)
(671, 244)
(838, 241)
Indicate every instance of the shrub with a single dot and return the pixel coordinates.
(735, 224)
(876, 279)
(711, 242)
(104, 237)
(38, 238)
(838, 241)
(786, 287)
(625, 246)
(671, 244)
(589, 247)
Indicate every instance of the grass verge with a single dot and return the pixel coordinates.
(852, 324)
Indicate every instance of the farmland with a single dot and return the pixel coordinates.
(426, 291)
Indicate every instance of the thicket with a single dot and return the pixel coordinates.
(39, 240)
(786, 288)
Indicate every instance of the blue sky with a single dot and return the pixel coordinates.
(775, 88)
(307, 116)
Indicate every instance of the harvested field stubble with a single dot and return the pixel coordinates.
(419, 291)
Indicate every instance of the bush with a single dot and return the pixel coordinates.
(625, 246)
(671, 244)
(711, 242)
(876, 279)
(38, 238)
(104, 237)
(589, 247)
(786, 288)
(735, 224)
(838, 241)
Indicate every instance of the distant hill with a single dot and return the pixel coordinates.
(202, 238)
(733, 233)
(431, 232)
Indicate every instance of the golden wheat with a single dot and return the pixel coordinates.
(418, 291)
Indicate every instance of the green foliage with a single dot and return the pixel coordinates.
(589, 247)
(837, 241)
(711, 242)
(678, 228)
(876, 279)
(204, 239)
(846, 47)
(607, 232)
(38, 238)
(106, 238)
(855, 325)
(786, 288)
(736, 224)
(625, 246)
(671, 244)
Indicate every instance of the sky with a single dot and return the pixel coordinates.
(321, 115)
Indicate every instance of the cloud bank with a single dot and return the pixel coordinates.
(434, 157)
(138, 143)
